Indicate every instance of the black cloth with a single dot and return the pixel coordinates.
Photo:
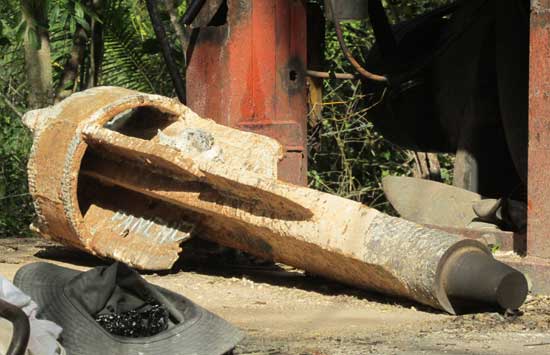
(120, 301)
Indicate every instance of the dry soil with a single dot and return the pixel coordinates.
(285, 311)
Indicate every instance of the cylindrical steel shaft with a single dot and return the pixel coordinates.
(131, 176)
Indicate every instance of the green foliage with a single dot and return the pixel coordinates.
(130, 60)
(15, 204)
(348, 157)
(16, 210)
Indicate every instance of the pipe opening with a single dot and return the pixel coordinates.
(140, 122)
(143, 122)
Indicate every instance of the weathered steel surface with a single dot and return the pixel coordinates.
(249, 73)
(131, 176)
(430, 202)
(538, 236)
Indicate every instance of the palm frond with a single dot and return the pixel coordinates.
(125, 62)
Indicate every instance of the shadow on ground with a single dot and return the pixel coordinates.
(208, 258)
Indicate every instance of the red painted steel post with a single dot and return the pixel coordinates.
(538, 236)
(249, 73)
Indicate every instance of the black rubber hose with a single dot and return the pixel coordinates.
(21, 327)
(166, 50)
(192, 11)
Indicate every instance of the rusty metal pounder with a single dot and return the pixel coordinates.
(130, 176)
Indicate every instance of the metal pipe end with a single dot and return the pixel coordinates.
(477, 277)
(512, 290)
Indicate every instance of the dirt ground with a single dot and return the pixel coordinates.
(283, 311)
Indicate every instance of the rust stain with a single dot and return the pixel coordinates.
(538, 243)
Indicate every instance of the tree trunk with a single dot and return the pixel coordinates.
(70, 71)
(37, 52)
(160, 33)
(178, 28)
(96, 47)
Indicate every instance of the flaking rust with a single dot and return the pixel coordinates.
(132, 176)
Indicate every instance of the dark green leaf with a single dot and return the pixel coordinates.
(151, 46)
(82, 22)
